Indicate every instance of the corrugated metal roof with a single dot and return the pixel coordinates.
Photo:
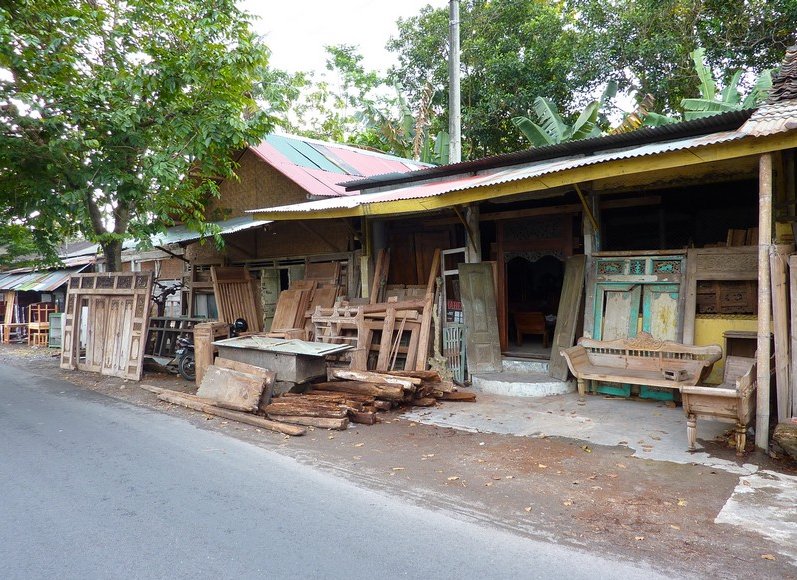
(721, 122)
(492, 178)
(45, 281)
(320, 167)
(179, 234)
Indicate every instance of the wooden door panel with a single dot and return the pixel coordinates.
(620, 311)
(481, 322)
(567, 316)
(660, 311)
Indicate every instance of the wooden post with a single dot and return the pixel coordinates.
(778, 259)
(473, 253)
(793, 294)
(764, 300)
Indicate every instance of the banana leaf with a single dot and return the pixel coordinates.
(550, 121)
(708, 88)
(532, 131)
(585, 124)
(698, 108)
(760, 90)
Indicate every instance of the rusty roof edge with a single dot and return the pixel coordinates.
(728, 121)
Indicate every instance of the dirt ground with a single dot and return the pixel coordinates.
(558, 490)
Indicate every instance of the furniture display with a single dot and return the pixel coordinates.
(732, 401)
(642, 360)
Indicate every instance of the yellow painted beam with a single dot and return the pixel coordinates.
(685, 158)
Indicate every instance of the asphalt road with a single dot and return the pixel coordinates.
(91, 487)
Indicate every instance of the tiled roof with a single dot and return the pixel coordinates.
(784, 85)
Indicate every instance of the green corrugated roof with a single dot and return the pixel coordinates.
(302, 154)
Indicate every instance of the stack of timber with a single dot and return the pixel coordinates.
(358, 397)
(229, 389)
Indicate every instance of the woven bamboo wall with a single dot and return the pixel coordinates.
(281, 240)
(258, 185)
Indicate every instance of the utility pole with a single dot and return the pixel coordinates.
(470, 220)
(454, 112)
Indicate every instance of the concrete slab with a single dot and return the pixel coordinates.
(650, 428)
(523, 384)
(765, 502)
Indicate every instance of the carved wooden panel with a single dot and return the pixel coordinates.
(734, 265)
(115, 309)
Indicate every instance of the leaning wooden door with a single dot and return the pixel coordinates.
(481, 322)
(568, 315)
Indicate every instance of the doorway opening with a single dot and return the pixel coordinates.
(534, 285)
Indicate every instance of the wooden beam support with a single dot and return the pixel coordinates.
(587, 209)
(764, 300)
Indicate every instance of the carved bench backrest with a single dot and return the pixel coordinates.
(644, 346)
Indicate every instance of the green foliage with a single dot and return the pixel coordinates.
(118, 118)
(729, 99)
(646, 44)
(353, 105)
(511, 51)
(516, 50)
(553, 129)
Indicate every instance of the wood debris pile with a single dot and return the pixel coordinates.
(241, 392)
(358, 396)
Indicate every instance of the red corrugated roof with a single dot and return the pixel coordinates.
(350, 162)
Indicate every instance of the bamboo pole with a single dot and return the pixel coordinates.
(764, 300)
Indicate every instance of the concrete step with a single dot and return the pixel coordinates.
(521, 384)
(524, 365)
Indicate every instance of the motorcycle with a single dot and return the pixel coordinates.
(185, 357)
(186, 361)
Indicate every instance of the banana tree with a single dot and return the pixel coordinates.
(712, 102)
(553, 129)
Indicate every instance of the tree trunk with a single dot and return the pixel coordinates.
(113, 255)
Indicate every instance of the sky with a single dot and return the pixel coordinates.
(296, 31)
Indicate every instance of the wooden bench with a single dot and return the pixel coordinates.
(730, 402)
(642, 360)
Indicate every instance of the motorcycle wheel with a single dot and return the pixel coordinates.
(187, 368)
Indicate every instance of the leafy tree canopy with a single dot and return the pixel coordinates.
(516, 50)
(647, 45)
(349, 104)
(118, 118)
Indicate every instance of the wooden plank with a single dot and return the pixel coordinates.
(389, 392)
(780, 326)
(424, 335)
(287, 309)
(192, 402)
(567, 316)
(380, 276)
(408, 383)
(478, 303)
(793, 296)
(320, 422)
(242, 367)
(232, 387)
(386, 340)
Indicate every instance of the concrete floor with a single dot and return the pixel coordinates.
(652, 429)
